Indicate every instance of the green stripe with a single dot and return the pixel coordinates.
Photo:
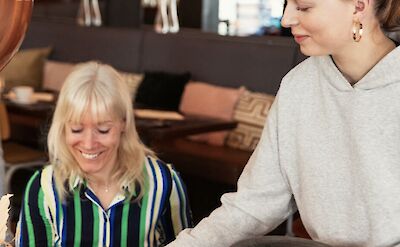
(143, 211)
(78, 218)
(124, 224)
(28, 219)
(42, 211)
(95, 225)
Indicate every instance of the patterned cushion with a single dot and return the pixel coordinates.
(250, 112)
(133, 80)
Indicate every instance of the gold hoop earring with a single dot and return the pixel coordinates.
(357, 31)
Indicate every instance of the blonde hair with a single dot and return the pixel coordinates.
(98, 89)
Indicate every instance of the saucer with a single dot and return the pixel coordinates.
(25, 102)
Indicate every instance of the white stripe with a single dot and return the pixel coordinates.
(49, 200)
(101, 228)
(149, 203)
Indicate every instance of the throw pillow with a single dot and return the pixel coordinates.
(133, 80)
(161, 90)
(251, 112)
(208, 100)
(55, 73)
(26, 68)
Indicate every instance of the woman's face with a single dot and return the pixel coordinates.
(320, 27)
(94, 145)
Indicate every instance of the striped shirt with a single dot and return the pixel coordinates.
(81, 220)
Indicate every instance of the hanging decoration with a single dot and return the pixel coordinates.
(89, 13)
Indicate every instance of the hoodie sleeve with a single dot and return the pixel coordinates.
(263, 199)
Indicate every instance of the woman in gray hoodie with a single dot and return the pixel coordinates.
(330, 147)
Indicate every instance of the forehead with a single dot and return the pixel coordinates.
(91, 114)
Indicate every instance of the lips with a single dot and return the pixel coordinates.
(299, 38)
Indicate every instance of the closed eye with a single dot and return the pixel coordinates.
(104, 131)
(75, 131)
(302, 9)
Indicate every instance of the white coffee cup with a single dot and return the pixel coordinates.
(23, 94)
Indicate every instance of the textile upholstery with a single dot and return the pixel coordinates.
(203, 99)
(54, 74)
(250, 113)
(26, 68)
(162, 90)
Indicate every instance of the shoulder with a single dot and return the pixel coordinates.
(158, 169)
(303, 78)
(303, 69)
(40, 177)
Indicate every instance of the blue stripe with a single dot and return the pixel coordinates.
(112, 221)
(181, 209)
(64, 232)
(57, 203)
(92, 196)
(22, 220)
(165, 174)
(154, 197)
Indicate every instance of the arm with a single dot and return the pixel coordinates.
(263, 199)
(177, 214)
(35, 226)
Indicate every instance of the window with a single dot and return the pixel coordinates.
(249, 17)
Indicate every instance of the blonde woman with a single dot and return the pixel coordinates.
(103, 186)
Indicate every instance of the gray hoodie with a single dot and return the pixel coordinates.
(329, 149)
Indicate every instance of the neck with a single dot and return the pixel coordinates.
(360, 58)
(100, 182)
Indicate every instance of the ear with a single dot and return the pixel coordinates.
(360, 8)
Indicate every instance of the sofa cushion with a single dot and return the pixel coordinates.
(250, 113)
(26, 68)
(54, 74)
(161, 90)
(133, 80)
(208, 100)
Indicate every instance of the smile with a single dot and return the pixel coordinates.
(90, 156)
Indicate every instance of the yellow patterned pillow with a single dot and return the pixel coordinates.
(250, 113)
(133, 80)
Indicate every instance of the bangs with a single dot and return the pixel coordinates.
(98, 103)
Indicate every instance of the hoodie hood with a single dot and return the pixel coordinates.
(384, 73)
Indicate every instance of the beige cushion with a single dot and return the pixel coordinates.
(208, 100)
(26, 68)
(250, 112)
(55, 73)
(133, 80)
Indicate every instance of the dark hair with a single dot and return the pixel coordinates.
(388, 13)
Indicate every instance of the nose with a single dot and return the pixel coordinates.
(289, 18)
(88, 140)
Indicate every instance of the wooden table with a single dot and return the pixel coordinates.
(37, 117)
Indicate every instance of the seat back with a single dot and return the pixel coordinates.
(4, 123)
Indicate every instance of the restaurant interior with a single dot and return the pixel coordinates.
(202, 82)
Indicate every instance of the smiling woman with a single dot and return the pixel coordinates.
(103, 186)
